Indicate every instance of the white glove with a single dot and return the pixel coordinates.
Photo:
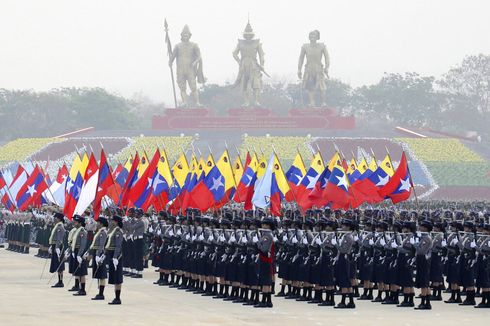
(334, 241)
(371, 242)
(67, 254)
(274, 238)
(244, 239)
(232, 238)
(412, 241)
(284, 238)
(305, 241)
(85, 255)
(194, 237)
(97, 260)
(443, 243)
(159, 232)
(150, 230)
(356, 238)
(131, 237)
(454, 241)
(222, 238)
(473, 244)
(187, 237)
(179, 232)
(255, 239)
(102, 258)
(79, 259)
(318, 241)
(382, 242)
(418, 234)
(417, 240)
(50, 250)
(294, 240)
(115, 262)
(171, 233)
(201, 237)
(73, 254)
(393, 244)
(58, 252)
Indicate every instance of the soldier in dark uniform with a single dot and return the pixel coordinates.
(328, 256)
(439, 251)
(128, 248)
(468, 261)
(366, 257)
(79, 249)
(483, 279)
(380, 263)
(423, 247)
(391, 260)
(266, 254)
(343, 280)
(453, 261)
(137, 232)
(99, 269)
(56, 249)
(405, 262)
(114, 257)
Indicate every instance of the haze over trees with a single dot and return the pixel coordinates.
(458, 101)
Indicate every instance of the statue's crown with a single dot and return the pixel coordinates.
(248, 29)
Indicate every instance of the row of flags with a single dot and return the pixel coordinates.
(206, 184)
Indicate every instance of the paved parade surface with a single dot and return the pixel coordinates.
(27, 300)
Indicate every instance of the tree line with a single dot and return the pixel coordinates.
(458, 101)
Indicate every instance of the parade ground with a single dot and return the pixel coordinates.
(25, 299)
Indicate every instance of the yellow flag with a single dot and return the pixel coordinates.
(281, 180)
(262, 167)
(75, 167)
(299, 164)
(352, 166)
(386, 166)
(143, 164)
(373, 165)
(317, 163)
(224, 167)
(83, 164)
(163, 168)
(237, 169)
(180, 169)
(362, 166)
(335, 160)
(209, 164)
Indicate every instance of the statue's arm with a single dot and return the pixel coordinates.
(235, 54)
(260, 52)
(301, 60)
(327, 60)
(197, 55)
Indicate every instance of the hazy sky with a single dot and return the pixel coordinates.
(119, 44)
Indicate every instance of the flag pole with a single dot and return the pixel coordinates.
(170, 54)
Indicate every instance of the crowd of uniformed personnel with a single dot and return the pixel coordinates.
(237, 255)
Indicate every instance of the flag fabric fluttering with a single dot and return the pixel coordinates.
(400, 185)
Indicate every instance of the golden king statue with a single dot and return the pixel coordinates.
(189, 68)
(316, 72)
(250, 58)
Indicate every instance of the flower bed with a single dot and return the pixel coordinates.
(173, 146)
(20, 149)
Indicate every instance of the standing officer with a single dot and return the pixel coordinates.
(114, 258)
(138, 229)
(266, 254)
(79, 248)
(99, 270)
(56, 249)
(423, 247)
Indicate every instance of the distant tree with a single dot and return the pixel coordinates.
(408, 99)
(467, 94)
